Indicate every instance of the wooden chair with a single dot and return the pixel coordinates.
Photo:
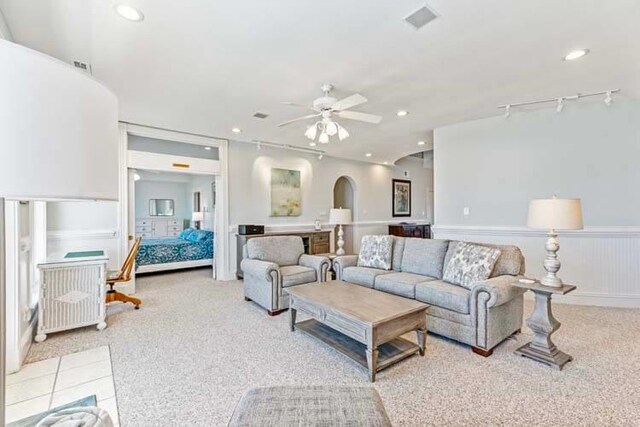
(124, 275)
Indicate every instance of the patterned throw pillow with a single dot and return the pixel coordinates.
(470, 264)
(375, 252)
(186, 232)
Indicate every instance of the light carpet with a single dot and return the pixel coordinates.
(195, 346)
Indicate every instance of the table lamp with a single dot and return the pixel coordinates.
(340, 217)
(197, 218)
(59, 141)
(554, 214)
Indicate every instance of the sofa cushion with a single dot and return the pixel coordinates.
(282, 250)
(363, 276)
(424, 256)
(444, 295)
(510, 261)
(470, 264)
(402, 284)
(297, 275)
(375, 252)
(396, 253)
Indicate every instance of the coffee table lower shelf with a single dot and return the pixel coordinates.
(389, 353)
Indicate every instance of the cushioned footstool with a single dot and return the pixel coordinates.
(310, 406)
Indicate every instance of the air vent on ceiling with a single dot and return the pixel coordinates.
(83, 66)
(260, 115)
(421, 17)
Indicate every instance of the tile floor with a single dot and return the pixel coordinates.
(43, 385)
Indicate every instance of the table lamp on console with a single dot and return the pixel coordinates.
(340, 217)
(554, 214)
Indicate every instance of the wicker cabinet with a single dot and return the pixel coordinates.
(422, 231)
(315, 242)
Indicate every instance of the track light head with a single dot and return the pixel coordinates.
(507, 111)
(259, 146)
(560, 106)
(608, 100)
(320, 156)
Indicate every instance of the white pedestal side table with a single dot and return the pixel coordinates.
(543, 324)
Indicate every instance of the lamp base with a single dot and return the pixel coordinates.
(340, 250)
(551, 262)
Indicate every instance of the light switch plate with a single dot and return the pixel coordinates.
(465, 211)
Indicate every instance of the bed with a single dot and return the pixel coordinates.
(193, 248)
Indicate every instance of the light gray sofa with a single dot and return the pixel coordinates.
(482, 317)
(271, 264)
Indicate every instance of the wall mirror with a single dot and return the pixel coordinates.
(161, 207)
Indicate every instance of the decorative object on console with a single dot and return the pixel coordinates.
(375, 252)
(401, 198)
(554, 214)
(317, 226)
(340, 217)
(405, 229)
(286, 197)
(197, 218)
(543, 324)
(245, 229)
(470, 264)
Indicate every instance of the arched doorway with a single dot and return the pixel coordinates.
(343, 197)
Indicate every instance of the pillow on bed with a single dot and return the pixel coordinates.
(186, 233)
(199, 236)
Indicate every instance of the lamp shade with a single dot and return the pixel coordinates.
(197, 216)
(555, 214)
(58, 130)
(340, 216)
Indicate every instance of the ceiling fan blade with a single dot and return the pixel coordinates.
(363, 117)
(310, 116)
(348, 102)
(295, 104)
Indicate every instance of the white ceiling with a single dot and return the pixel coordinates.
(206, 66)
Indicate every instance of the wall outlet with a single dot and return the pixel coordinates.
(465, 211)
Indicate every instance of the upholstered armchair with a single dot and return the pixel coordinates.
(272, 264)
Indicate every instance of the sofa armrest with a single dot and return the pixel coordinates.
(319, 263)
(500, 290)
(261, 269)
(342, 262)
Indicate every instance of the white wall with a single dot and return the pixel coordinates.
(495, 166)
(5, 32)
(177, 191)
(83, 225)
(249, 178)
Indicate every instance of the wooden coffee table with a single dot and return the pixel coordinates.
(362, 323)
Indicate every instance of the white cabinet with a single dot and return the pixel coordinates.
(158, 228)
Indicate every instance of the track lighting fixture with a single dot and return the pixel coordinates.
(320, 156)
(260, 144)
(608, 100)
(560, 105)
(507, 111)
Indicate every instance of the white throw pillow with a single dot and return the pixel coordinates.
(470, 264)
(375, 252)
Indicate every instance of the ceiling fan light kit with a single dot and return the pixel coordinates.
(325, 107)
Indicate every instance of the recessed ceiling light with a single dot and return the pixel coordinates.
(402, 113)
(312, 144)
(236, 130)
(128, 12)
(421, 142)
(207, 148)
(576, 54)
(386, 163)
(368, 154)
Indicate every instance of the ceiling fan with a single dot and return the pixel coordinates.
(326, 107)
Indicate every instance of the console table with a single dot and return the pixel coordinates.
(543, 324)
(315, 242)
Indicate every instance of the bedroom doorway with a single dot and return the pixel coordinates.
(202, 161)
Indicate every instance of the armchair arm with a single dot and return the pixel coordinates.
(342, 262)
(260, 269)
(499, 290)
(319, 263)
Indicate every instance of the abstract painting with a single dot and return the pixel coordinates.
(286, 196)
(401, 203)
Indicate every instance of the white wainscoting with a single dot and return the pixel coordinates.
(604, 262)
(359, 229)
